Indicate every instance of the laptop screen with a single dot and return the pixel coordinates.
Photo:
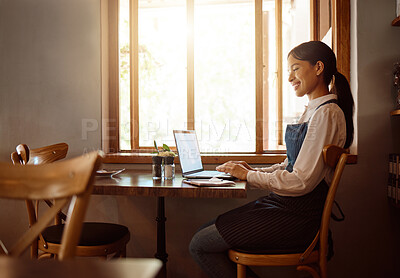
(188, 150)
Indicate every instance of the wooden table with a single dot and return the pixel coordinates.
(127, 268)
(141, 183)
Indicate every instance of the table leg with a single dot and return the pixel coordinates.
(161, 249)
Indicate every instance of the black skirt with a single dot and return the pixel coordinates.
(275, 223)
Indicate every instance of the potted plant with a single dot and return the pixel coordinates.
(163, 162)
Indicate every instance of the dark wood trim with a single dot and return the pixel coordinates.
(190, 65)
(111, 117)
(134, 72)
(341, 32)
(265, 82)
(206, 158)
(279, 69)
(104, 68)
(145, 158)
(259, 75)
(314, 20)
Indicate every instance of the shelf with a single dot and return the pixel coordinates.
(396, 21)
(393, 203)
(395, 112)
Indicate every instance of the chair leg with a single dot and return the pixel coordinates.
(241, 271)
(116, 255)
(310, 269)
(120, 253)
(123, 252)
(34, 250)
(323, 268)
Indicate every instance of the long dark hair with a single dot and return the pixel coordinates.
(315, 51)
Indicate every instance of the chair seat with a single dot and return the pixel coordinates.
(298, 250)
(269, 252)
(93, 234)
(253, 259)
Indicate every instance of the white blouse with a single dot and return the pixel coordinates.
(327, 125)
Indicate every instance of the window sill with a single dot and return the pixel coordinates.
(145, 158)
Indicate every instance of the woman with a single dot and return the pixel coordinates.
(289, 217)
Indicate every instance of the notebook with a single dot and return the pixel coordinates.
(210, 182)
(190, 159)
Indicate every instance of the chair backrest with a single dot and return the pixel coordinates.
(42, 155)
(68, 182)
(47, 154)
(336, 158)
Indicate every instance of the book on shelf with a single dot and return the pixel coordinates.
(393, 185)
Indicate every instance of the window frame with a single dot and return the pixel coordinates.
(109, 13)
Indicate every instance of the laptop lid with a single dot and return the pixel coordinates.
(188, 151)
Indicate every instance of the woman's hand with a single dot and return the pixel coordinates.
(237, 170)
(244, 163)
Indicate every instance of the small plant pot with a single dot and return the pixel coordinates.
(168, 168)
(169, 160)
(156, 167)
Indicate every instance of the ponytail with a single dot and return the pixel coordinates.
(341, 88)
(314, 51)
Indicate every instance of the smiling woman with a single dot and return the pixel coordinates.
(215, 66)
(288, 218)
(300, 77)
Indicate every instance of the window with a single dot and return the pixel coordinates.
(216, 66)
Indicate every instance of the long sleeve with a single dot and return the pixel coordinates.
(326, 126)
(274, 167)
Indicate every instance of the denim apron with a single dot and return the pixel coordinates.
(275, 223)
(294, 138)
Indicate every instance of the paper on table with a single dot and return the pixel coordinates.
(109, 173)
(210, 182)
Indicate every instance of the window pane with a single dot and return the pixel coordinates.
(162, 70)
(224, 82)
(124, 77)
(296, 30)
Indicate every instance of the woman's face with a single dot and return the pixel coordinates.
(303, 76)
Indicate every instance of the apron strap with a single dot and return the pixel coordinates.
(335, 217)
(326, 102)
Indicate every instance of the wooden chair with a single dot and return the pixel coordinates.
(43, 155)
(97, 239)
(313, 260)
(69, 183)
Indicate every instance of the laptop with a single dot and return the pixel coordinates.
(190, 159)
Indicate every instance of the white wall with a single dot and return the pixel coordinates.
(367, 241)
(50, 81)
(49, 73)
